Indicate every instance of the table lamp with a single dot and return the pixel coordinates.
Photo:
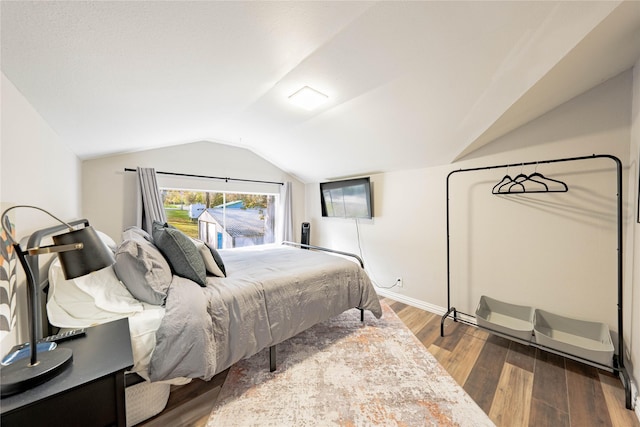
(81, 251)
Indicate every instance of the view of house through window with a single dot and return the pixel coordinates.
(224, 220)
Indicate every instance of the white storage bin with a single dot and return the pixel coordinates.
(510, 319)
(588, 340)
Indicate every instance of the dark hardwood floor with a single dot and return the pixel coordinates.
(516, 385)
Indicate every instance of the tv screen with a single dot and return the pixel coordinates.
(349, 198)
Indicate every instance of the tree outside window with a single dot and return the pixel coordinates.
(223, 220)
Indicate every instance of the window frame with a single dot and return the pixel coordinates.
(225, 236)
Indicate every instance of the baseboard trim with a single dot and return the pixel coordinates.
(412, 301)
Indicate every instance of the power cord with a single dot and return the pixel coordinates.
(368, 271)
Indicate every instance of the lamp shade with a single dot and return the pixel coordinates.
(93, 256)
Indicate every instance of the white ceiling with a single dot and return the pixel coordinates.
(410, 84)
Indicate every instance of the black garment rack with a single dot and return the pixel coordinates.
(618, 360)
(221, 178)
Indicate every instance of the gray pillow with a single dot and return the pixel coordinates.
(181, 252)
(135, 233)
(143, 270)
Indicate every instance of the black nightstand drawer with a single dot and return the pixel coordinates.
(95, 401)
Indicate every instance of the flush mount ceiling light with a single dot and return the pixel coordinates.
(308, 98)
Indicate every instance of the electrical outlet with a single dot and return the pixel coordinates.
(399, 282)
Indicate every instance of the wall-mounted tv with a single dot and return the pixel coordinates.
(350, 198)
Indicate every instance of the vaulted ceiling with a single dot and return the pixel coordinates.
(409, 84)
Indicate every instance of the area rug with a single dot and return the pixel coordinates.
(346, 373)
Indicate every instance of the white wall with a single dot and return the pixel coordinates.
(36, 168)
(109, 193)
(406, 238)
(553, 251)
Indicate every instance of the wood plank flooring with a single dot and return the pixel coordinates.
(516, 385)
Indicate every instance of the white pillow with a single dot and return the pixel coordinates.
(209, 262)
(108, 292)
(96, 298)
(107, 240)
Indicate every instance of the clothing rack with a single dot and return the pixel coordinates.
(225, 179)
(520, 188)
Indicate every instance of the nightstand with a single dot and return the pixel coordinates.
(88, 392)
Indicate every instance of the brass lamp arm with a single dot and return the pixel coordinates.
(54, 249)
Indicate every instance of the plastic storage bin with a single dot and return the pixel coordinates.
(588, 340)
(513, 320)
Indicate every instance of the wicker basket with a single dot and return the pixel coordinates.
(144, 400)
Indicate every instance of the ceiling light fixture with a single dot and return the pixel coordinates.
(308, 98)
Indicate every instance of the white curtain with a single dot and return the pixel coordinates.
(285, 217)
(150, 206)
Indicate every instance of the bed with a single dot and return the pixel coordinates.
(185, 325)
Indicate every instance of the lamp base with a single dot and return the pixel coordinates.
(21, 375)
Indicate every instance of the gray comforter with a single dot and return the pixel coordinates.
(268, 296)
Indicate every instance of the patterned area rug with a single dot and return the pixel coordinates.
(346, 373)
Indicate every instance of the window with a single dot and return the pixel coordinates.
(223, 220)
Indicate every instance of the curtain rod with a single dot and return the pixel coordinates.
(226, 179)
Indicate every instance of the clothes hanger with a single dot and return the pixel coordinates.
(563, 187)
(504, 181)
(518, 184)
(532, 177)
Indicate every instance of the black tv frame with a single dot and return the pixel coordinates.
(345, 183)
